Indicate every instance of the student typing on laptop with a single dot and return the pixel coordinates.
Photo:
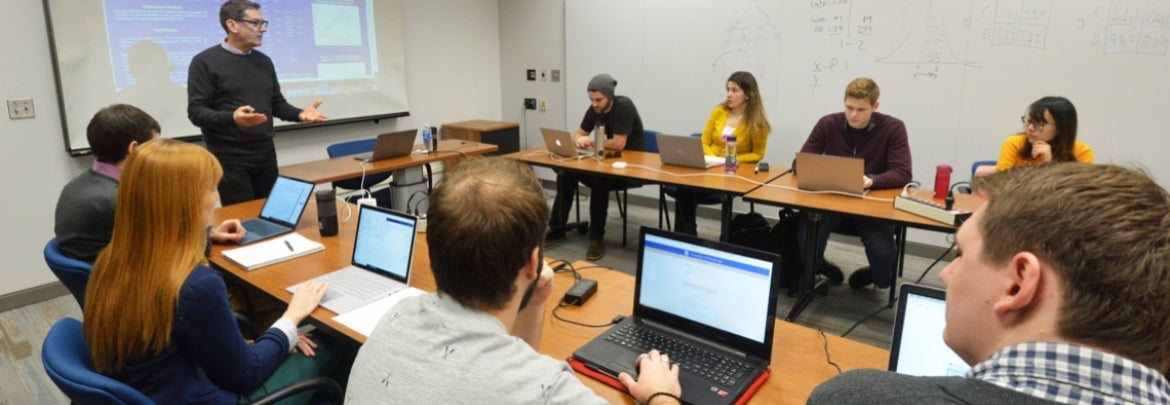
(741, 114)
(880, 139)
(1058, 295)
(623, 130)
(475, 340)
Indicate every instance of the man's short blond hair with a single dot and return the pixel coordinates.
(864, 88)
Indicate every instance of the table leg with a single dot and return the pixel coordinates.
(725, 222)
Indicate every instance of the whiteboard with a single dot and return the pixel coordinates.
(958, 72)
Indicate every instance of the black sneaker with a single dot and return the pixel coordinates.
(554, 236)
(861, 278)
(832, 272)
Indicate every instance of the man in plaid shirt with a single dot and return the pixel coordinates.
(1058, 294)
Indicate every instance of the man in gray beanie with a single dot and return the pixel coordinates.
(623, 130)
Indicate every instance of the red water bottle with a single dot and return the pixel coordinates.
(942, 181)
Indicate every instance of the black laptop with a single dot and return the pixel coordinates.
(281, 211)
(917, 347)
(708, 305)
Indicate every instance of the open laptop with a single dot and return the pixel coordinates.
(917, 347)
(282, 210)
(711, 296)
(817, 172)
(390, 145)
(562, 143)
(382, 253)
(685, 151)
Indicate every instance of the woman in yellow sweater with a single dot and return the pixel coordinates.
(741, 114)
(1050, 135)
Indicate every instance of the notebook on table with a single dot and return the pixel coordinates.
(841, 174)
(685, 151)
(917, 347)
(281, 212)
(706, 304)
(391, 145)
(562, 143)
(382, 251)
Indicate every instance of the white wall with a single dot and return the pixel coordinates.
(453, 74)
(532, 36)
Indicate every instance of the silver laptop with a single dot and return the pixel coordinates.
(709, 305)
(685, 151)
(382, 253)
(917, 347)
(391, 145)
(281, 212)
(562, 143)
(817, 172)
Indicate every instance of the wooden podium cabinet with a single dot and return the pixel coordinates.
(506, 135)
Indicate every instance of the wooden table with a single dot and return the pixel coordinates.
(346, 167)
(878, 205)
(798, 359)
(647, 167)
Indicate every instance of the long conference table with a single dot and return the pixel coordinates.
(345, 167)
(878, 205)
(647, 167)
(799, 358)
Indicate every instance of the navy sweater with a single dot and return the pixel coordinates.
(209, 362)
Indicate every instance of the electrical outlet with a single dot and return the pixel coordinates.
(543, 104)
(544, 75)
(21, 108)
(529, 103)
(556, 75)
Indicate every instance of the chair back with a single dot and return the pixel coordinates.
(69, 364)
(72, 272)
(355, 147)
(980, 163)
(651, 139)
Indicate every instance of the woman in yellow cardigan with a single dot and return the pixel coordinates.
(1050, 135)
(741, 114)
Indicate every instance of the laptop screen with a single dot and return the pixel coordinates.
(384, 242)
(918, 347)
(287, 200)
(713, 287)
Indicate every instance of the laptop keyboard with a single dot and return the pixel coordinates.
(341, 282)
(264, 228)
(695, 359)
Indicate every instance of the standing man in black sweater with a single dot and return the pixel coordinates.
(232, 92)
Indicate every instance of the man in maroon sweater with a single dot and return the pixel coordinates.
(880, 139)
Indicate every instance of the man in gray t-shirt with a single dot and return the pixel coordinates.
(475, 340)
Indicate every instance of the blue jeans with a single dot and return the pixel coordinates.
(877, 236)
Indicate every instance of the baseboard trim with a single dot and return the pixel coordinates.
(32, 295)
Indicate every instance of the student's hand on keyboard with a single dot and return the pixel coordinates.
(655, 374)
(305, 300)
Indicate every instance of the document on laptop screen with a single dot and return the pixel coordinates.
(922, 351)
(384, 242)
(708, 286)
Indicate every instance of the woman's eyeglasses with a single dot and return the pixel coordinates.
(1026, 120)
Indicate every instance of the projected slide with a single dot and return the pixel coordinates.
(348, 53)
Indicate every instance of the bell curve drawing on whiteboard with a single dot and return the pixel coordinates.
(926, 46)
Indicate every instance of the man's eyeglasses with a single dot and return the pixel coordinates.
(258, 24)
(1026, 120)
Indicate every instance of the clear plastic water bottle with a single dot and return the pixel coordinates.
(599, 140)
(730, 159)
(428, 139)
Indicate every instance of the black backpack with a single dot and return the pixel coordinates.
(753, 230)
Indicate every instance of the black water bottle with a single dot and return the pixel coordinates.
(327, 212)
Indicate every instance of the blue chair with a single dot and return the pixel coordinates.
(356, 183)
(69, 364)
(72, 272)
(672, 191)
(980, 163)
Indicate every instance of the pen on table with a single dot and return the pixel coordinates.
(289, 245)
